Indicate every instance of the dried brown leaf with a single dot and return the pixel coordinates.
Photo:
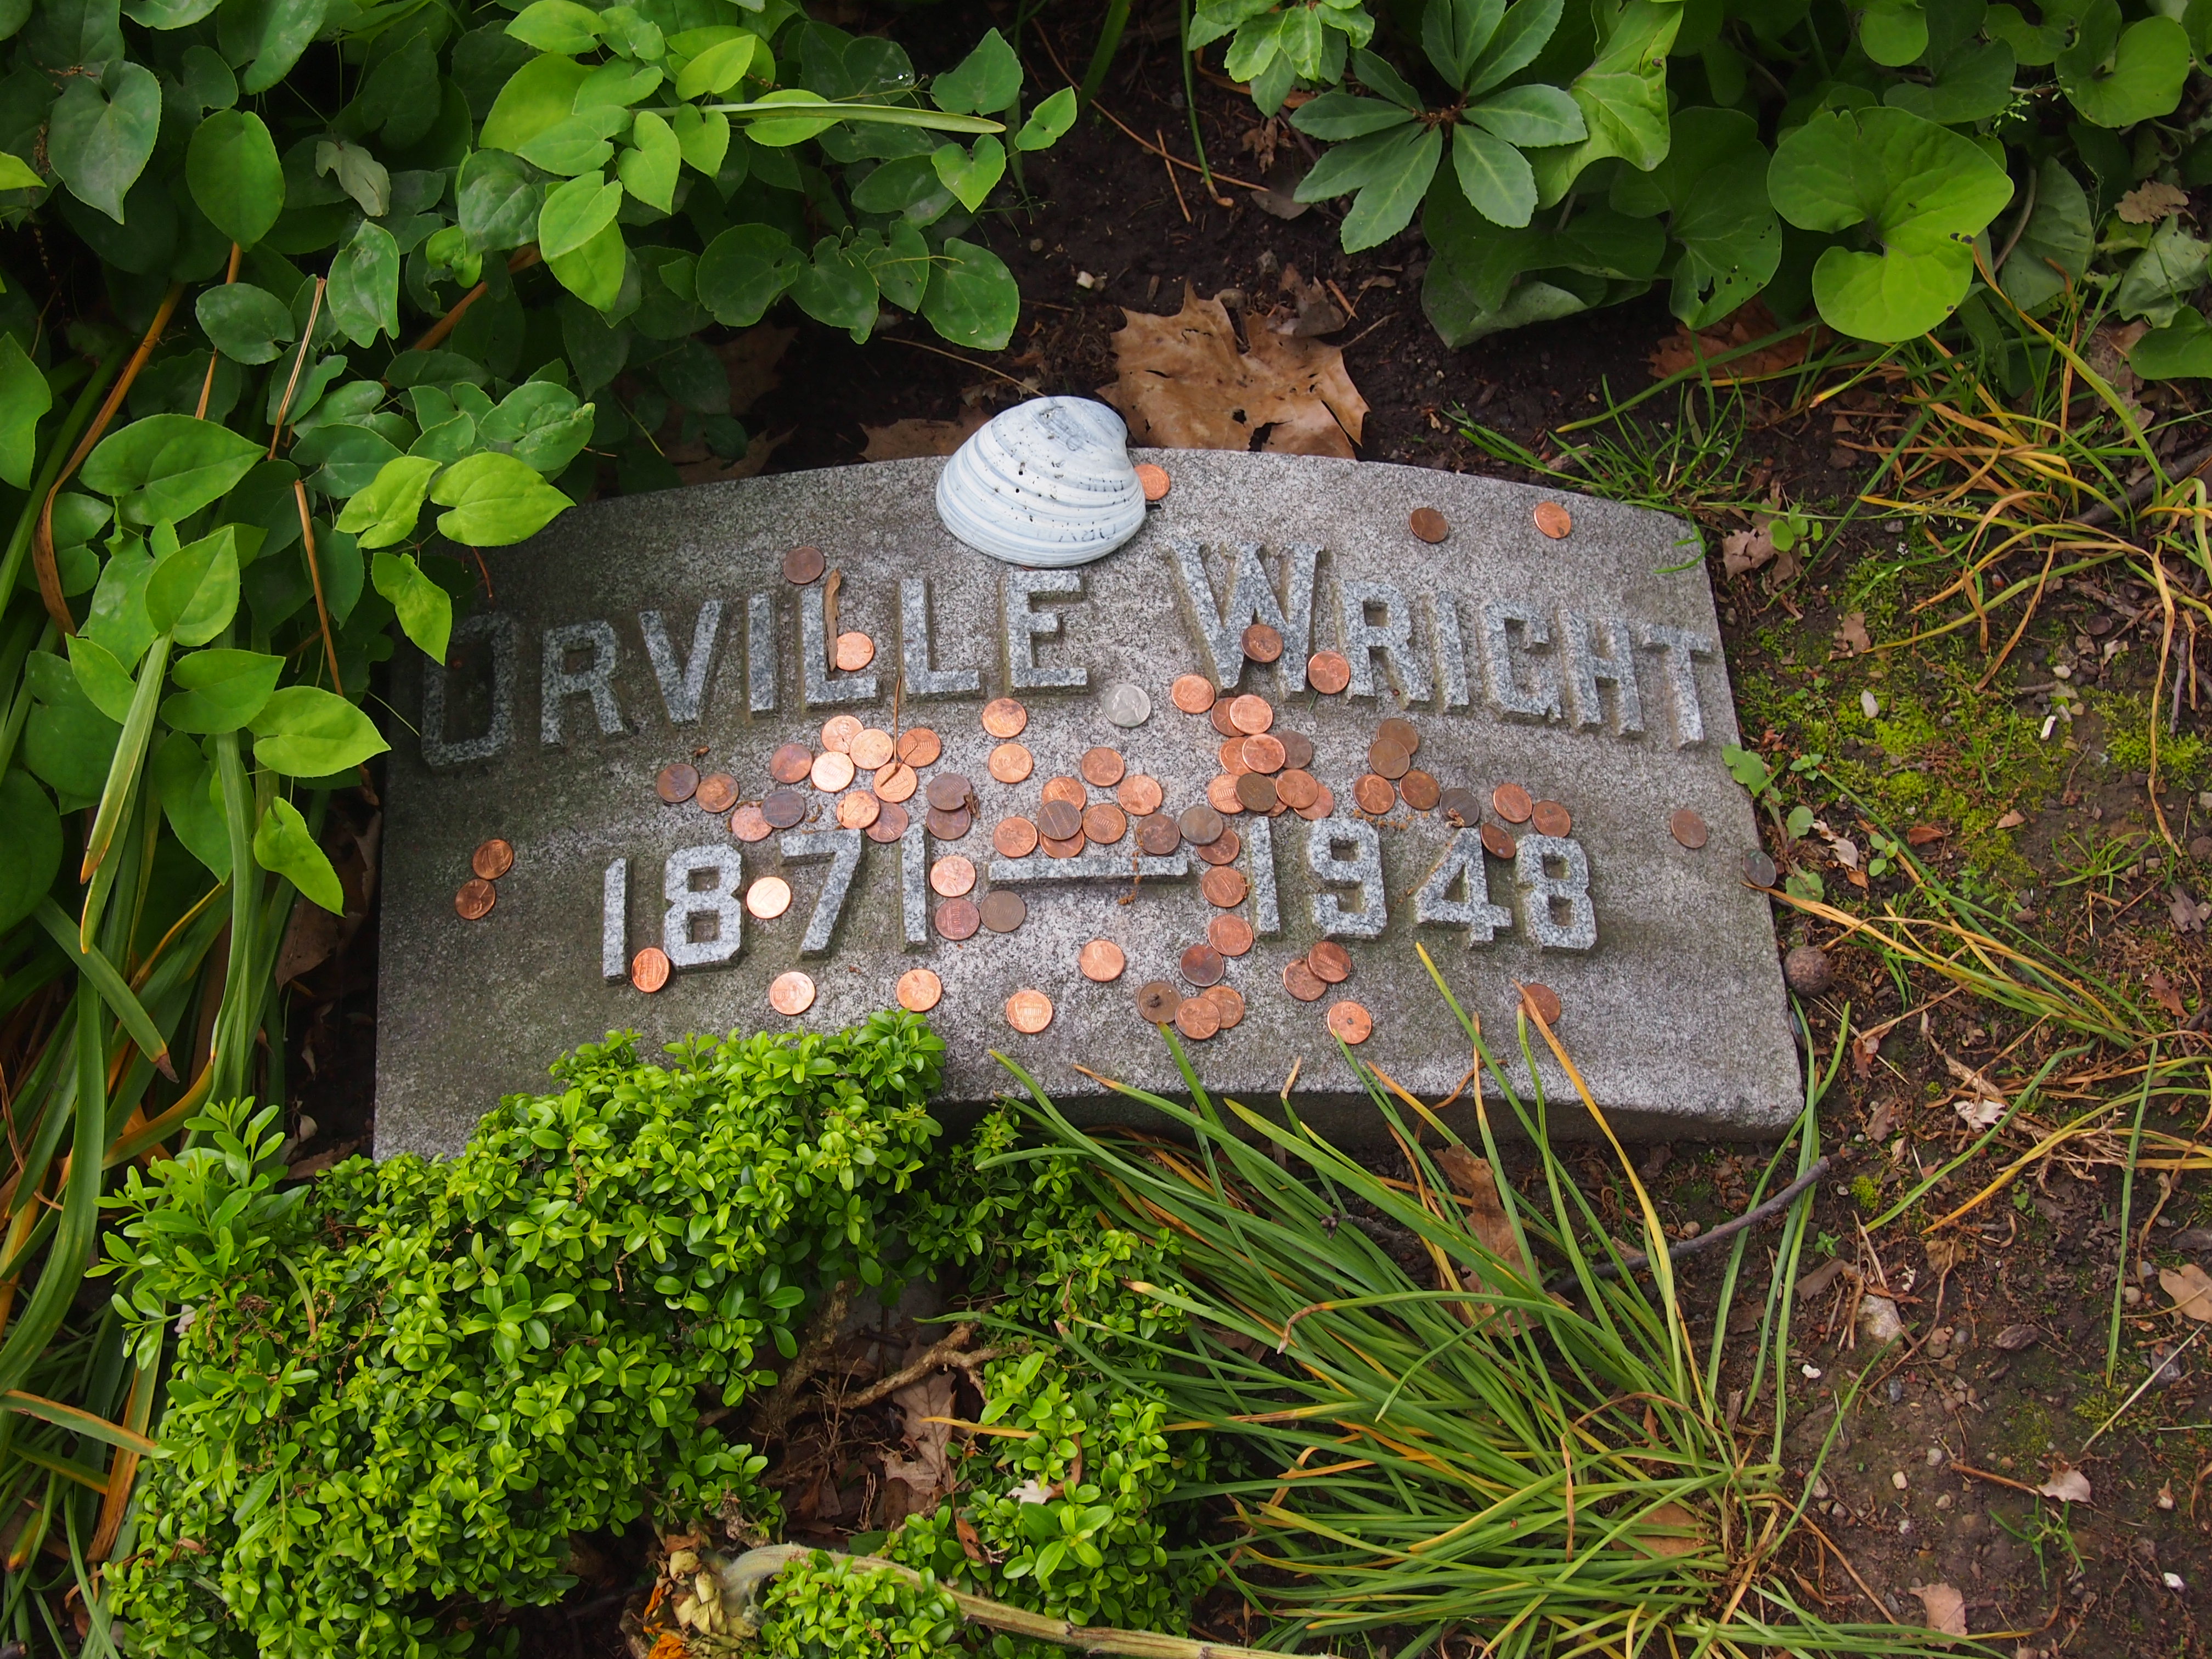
(1314, 310)
(2190, 1287)
(1853, 635)
(1744, 550)
(2068, 1487)
(2013, 1338)
(2151, 200)
(715, 470)
(905, 439)
(1682, 1535)
(1921, 834)
(1486, 1212)
(2012, 820)
(1945, 1607)
(2165, 996)
(1753, 320)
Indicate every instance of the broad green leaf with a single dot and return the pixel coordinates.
(221, 688)
(31, 831)
(1049, 121)
(1339, 116)
(837, 288)
(193, 592)
(118, 618)
(363, 296)
(1494, 177)
(100, 677)
(542, 424)
(497, 199)
(168, 466)
(1893, 32)
(972, 300)
(594, 272)
(1527, 28)
(1971, 82)
(1890, 296)
(1399, 177)
(282, 847)
(235, 175)
(2032, 44)
(101, 132)
(540, 92)
(1918, 187)
(425, 610)
(970, 177)
(2116, 77)
(1731, 240)
(270, 33)
(909, 187)
(1531, 117)
(574, 213)
(2055, 246)
(359, 173)
(66, 739)
(744, 270)
(2159, 278)
(901, 266)
(25, 397)
(495, 499)
(577, 145)
(1455, 32)
(985, 81)
(305, 732)
(719, 68)
(559, 26)
(1376, 75)
(1623, 95)
(15, 173)
(185, 783)
(617, 85)
(247, 324)
(2180, 350)
(386, 511)
(648, 170)
(703, 135)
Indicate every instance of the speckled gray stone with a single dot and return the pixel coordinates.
(1586, 670)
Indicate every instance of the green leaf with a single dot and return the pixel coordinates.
(31, 831)
(184, 784)
(1969, 82)
(1405, 161)
(497, 199)
(540, 92)
(837, 288)
(574, 213)
(2116, 77)
(1339, 116)
(1731, 240)
(579, 144)
(360, 174)
(1455, 34)
(1526, 30)
(495, 499)
(2159, 278)
(1530, 116)
(1623, 96)
(305, 732)
(648, 171)
(594, 272)
(25, 397)
(1376, 75)
(425, 610)
(102, 679)
(1049, 121)
(703, 135)
(271, 33)
(778, 131)
(222, 690)
(15, 173)
(1494, 177)
(117, 619)
(2032, 44)
(363, 296)
(559, 26)
(386, 511)
(970, 178)
(2180, 350)
(2056, 244)
(744, 270)
(1893, 32)
(168, 466)
(247, 324)
(193, 592)
(101, 132)
(985, 81)
(973, 299)
(282, 847)
(719, 67)
(235, 175)
(901, 266)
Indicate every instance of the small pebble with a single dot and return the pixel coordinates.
(1934, 1457)
(1868, 705)
(1944, 1502)
(1808, 970)
(2131, 1296)
(1811, 1372)
(1897, 1480)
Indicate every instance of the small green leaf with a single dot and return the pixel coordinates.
(222, 690)
(719, 68)
(2180, 350)
(363, 296)
(101, 678)
(973, 299)
(386, 511)
(837, 288)
(268, 36)
(1339, 116)
(185, 783)
(495, 499)
(247, 324)
(193, 593)
(497, 199)
(2056, 244)
(985, 81)
(1049, 123)
(2158, 279)
(168, 466)
(425, 610)
(1455, 32)
(574, 213)
(648, 171)
(234, 174)
(970, 177)
(360, 174)
(101, 132)
(559, 26)
(594, 272)
(744, 270)
(282, 847)
(1530, 116)
(1894, 33)
(15, 173)
(25, 397)
(31, 831)
(306, 731)
(2116, 77)
(1494, 177)
(540, 92)
(703, 135)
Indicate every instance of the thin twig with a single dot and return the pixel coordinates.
(950, 1351)
(299, 363)
(315, 574)
(1751, 1218)
(1173, 184)
(1880, 1605)
(207, 386)
(1209, 175)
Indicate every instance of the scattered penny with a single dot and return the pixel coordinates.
(920, 990)
(749, 823)
(1374, 795)
(957, 919)
(1071, 847)
(1388, 759)
(1553, 819)
(947, 790)
(1158, 835)
(857, 809)
(1104, 824)
(1153, 481)
(1420, 790)
(1101, 961)
(1497, 842)
(1512, 803)
(949, 826)
(1224, 887)
(1322, 806)
(1124, 704)
(474, 901)
(1066, 788)
(649, 969)
(1197, 1018)
(1221, 794)
(890, 824)
(717, 794)
(493, 859)
(1429, 524)
(1028, 1011)
(1231, 935)
(1219, 715)
(855, 650)
(872, 748)
(1257, 792)
(1140, 795)
(1102, 769)
(1192, 693)
(1350, 1022)
(768, 897)
(791, 994)
(1199, 824)
(1157, 1000)
(1222, 850)
(1459, 807)
(1002, 909)
(1759, 869)
(1688, 828)
(953, 877)
(789, 764)
(1251, 716)
(1009, 762)
(1202, 965)
(838, 732)
(1298, 788)
(1059, 820)
(1003, 717)
(1553, 520)
(1014, 838)
(1542, 1001)
(1299, 981)
(1232, 755)
(896, 781)
(783, 808)
(1263, 643)
(1401, 731)
(1330, 961)
(802, 565)
(832, 772)
(1263, 753)
(919, 746)
(1328, 672)
(676, 783)
(1228, 1004)
(1297, 750)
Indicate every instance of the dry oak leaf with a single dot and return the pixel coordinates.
(1853, 635)
(1921, 834)
(1183, 384)
(1744, 550)
(1750, 321)
(904, 441)
(2190, 1287)
(1945, 1608)
(2165, 996)
(2150, 202)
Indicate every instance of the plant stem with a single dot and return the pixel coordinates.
(2127, 1199)
(1102, 55)
(1633, 1260)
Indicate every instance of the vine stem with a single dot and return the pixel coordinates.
(315, 573)
(524, 258)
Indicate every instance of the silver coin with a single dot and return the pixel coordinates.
(1126, 704)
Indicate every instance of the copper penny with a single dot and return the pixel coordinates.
(791, 763)
(749, 823)
(1688, 827)
(832, 772)
(783, 808)
(768, 897)
(1005, 718)
(1202, 965)
(1330, 961)
(1221, 794)
(493, 859)
(855, 650)
(1551, 819)
(890, 824)
(1460, 806)
(920, 990)
(1401, 731)
(857, 809)
(1002, 909)
(1014, 838)
(1542, 1001)
(1328, 672)
(1512, 803)
(1351, 1021)
(1223, 849)
(1199, 823)
(791, 994)
(1263, 753)
(1299, 979)
(1102, 769)
(1297, 750)
(1066, 788)
(1224, 887)
(1420, 790)
(872, 748)
(1157, 1000)
(1219, 715)
(838, 732)
(474, 901)
(1374, 794)
(1192, 693)
(1257, 791)
(1251, 716)
(1158, 835)
(1388, 759)
(676, 783)
(1104, 824)
(948, 791)
(1232, 757)
(1263, 643)
(1228, 1004)
(1553, 520)
(949, 826)
(1197, 1018)
(1101, 960)
(1011, 762)
(1429, 524)
(1071, 847)
(1140, 794)
(896, 783)
(1322, 806)
(1059, 820)
(959, 919)
(1153, 481)
(802, 565)
(1298, 788)
(649, 969)
(1231, 935)
(918, 746)
(1498, 843)
(952, 878)
(717, 794)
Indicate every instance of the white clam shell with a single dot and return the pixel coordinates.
(1046, 483)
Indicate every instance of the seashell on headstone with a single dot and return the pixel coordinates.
(1046, 483)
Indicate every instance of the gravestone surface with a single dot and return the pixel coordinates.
(662, 632)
